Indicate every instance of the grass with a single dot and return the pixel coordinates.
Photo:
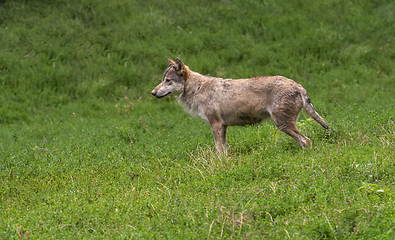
(87, 153)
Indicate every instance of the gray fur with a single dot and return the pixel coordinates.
(230, 102)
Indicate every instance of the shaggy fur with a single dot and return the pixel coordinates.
(230, 102)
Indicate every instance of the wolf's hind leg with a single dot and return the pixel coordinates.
(219, 132)
(289, 127)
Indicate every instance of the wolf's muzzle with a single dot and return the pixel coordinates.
(154, 93)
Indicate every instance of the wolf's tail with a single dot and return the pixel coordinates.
(308, 107)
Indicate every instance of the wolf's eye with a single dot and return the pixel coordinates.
(167, 80)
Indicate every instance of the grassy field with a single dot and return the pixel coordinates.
(87, 153)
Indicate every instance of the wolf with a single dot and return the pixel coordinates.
(238, 102)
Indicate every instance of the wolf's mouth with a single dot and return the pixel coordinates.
(163, 95)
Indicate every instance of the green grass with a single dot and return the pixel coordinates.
(87, 153)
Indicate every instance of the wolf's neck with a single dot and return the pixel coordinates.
(191, 86)
(194, 84)
(191, 97)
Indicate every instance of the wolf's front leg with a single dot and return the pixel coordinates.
(219, 132)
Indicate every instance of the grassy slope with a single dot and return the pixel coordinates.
(87, 152)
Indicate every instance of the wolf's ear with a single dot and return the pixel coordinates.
(182, 70)
(171, 62)
(179, 65)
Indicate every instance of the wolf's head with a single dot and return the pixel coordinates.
(173, 79)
